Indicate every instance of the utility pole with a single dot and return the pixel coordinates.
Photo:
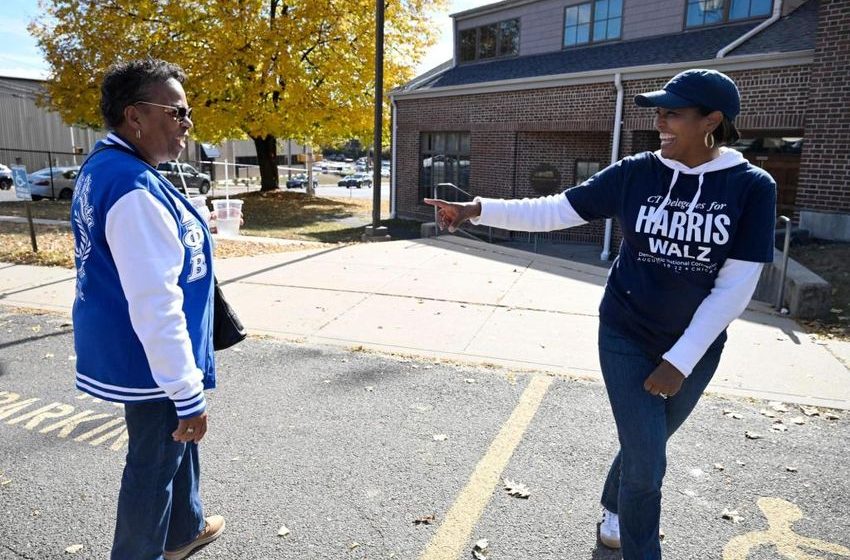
(377, 232)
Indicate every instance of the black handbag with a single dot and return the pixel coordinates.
(227, 328)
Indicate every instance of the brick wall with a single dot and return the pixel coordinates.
(511, 132)
(825, 167)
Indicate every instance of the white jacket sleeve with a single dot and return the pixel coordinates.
(545, 213)
(148, 254)
(732, 291)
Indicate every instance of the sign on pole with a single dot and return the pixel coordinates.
(22, 186)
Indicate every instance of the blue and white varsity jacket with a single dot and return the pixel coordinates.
(143, 308)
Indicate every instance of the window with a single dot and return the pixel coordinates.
(494, 40)
(601, 20)
(710, 12)
(585, 170)
(444, 159)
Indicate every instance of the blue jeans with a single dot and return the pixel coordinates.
(644, 423)
(158, 506)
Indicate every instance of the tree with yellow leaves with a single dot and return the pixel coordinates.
(265, 69)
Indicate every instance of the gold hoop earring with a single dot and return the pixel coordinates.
(705, 140)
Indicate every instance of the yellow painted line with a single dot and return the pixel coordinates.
(450, 539)
(780, 515)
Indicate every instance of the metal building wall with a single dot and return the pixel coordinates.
(26, 129)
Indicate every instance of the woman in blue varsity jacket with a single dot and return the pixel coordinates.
(698, 225)
(143, 309)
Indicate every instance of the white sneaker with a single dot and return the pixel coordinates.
(609, 529)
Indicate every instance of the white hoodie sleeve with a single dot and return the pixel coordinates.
(732, 291)
(545, 213)
(148, 254)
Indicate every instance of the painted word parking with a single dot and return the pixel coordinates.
(64, 420)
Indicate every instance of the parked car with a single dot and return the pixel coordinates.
(61, 187)
(299, 181)
(356, 180)
(5, 177)
(194, 178)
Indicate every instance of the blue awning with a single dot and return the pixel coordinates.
(209, 151)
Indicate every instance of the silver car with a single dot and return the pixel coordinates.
(60, 186)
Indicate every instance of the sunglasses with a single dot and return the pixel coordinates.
(179, 114)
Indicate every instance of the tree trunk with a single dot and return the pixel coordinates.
(267, 158)
(311, 191)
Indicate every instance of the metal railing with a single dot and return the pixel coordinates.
(785, 250)
(435, 194)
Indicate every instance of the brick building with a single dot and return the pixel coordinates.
(539, 96)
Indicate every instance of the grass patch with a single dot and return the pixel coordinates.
(277, 214)
(55, 245)
(830, 261)
(41, 209)
(294, 215)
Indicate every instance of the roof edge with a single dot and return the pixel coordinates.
(665, 70)
(490, 8)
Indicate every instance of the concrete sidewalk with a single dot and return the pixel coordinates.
(465, 300)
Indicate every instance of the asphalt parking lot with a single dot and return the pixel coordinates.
(347, 449)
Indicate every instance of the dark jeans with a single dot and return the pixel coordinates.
(158, 506)
(644, 423)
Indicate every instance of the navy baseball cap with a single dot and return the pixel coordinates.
(692, 88)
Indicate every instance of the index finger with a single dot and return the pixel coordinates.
(435, 202)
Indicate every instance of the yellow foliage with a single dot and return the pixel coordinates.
(301, 69)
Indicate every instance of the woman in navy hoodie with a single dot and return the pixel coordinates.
(698, 225)
(143, 310)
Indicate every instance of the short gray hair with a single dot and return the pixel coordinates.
(128, 82)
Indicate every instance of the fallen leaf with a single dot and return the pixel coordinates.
(48, 356)
(353, 545)
(752, 435)
(517, 490)
(791, 469)
(425, 520)
(36, 328)
(370, 389)
(481, 550)
(810, 410)
(73, 549)
(440, 437)
(735, 415)
(831, 416)
(779, 427)
(740, 463)
(719, 466)
(731, 515)
(283, 532)
(778, 406)
(768, 413)
(469, 380)
(799, 420)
